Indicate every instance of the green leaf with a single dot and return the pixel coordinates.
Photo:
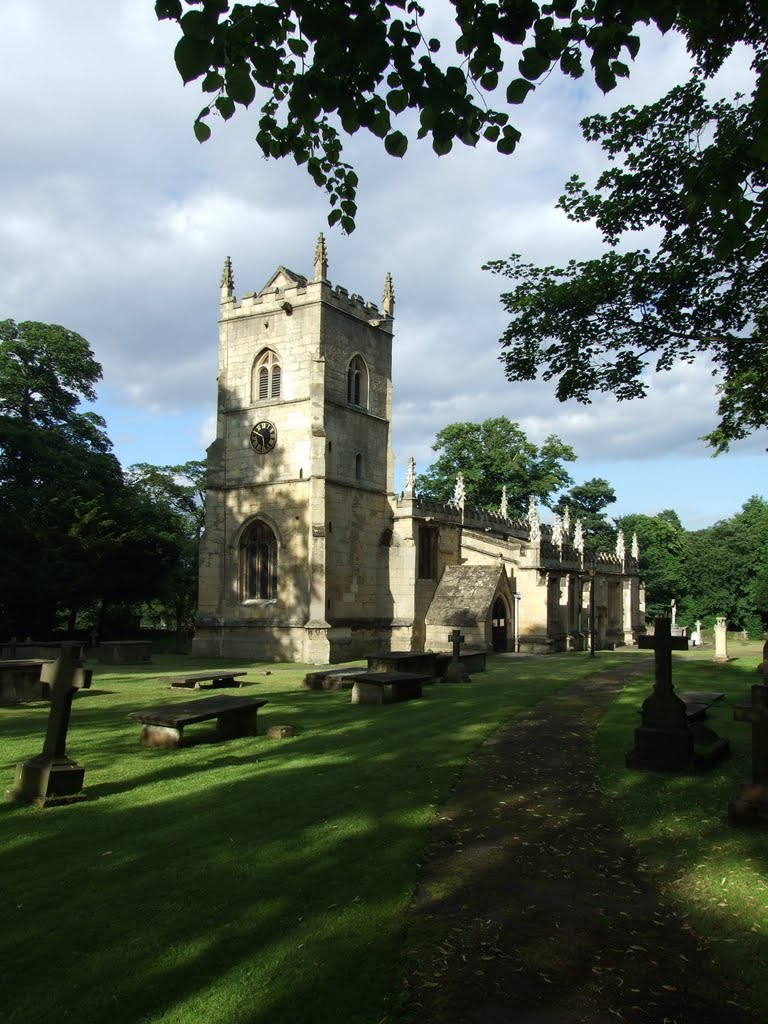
(225, 107)
(168, 9)
(518, 89)
(397, 100)
(298, 46)
(202, 131)
(492, 132)
(192, 57)
(240, 85)
(534, 64)
(334, 217)
(212, 82)
(442, 146)
(489, 81)
(396, 144)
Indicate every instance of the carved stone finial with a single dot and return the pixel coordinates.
(635, 548)
(621, 547)
(504, 508)
(557, 531)
(458, 492)
(578, 537)
(388, 299)
(321, 259)
(534, 523)
(227, 280)
(566, 522)
(410, 476)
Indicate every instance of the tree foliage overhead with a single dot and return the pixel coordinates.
(696, 170)
(323, 69)
(490, 456)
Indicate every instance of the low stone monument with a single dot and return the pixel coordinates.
(751, 805)
(456, 672)
(667, 740)
(721, 640)
(52, 777)
(696, 635)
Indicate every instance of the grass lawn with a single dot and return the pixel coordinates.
(240, 882)
(716, 875)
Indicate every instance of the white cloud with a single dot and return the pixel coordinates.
(116, 222)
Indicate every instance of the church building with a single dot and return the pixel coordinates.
(308, 553)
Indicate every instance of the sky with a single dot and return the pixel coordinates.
(115, 222)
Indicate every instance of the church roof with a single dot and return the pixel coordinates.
(465, 594)
(284, 278)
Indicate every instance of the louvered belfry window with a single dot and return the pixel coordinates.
(267, 376)
(357, 383)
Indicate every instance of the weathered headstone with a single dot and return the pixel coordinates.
(666, 740)
(721, 640)
(762, 668)
(751, 805)
(696, 634)
(52, 776)
(456, 672)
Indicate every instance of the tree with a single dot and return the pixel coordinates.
(663, 566)
(587, 502)
(336, 67)
(492, 455)
(697, 170)
(178, 492)
(728, 566)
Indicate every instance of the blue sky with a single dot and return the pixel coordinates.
(115, 222)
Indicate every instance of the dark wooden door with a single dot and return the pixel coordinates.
(499, 626)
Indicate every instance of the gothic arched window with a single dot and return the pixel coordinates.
(259, 563)
(357, 383)
(266, 376)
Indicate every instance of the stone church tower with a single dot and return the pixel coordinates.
(295, 558)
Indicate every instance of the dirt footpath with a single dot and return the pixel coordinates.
(533, 907)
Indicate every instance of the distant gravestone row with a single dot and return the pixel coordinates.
(671, 736)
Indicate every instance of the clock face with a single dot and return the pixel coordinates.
(263, 437)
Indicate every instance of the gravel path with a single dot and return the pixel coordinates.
(533, 907)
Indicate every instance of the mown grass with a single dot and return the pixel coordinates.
(241, 882)
(716, 876)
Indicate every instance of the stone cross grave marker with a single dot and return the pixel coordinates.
(665, 740)
(51, 775)
(751, 805)
(456, 672)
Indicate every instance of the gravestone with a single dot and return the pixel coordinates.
(52, 776)
(696, 635)
(721, 640)
(751, 805)
(456, 672)
(666, 740)
(762, 668)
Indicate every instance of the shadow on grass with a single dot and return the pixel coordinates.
(244, 882)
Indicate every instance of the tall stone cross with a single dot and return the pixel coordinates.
(457, 640)
(52, 775)
(663, 707)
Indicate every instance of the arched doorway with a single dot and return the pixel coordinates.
(499, 620)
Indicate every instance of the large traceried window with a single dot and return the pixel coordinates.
(357, 383)
(266, 377)
(259, 563)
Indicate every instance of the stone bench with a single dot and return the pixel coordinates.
(164, 726)
(205, 680)
(388, 687)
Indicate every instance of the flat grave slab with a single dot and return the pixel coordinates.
(403, 661)
(388, 687)
(332, 679)
(206, 680)
(163, 726)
